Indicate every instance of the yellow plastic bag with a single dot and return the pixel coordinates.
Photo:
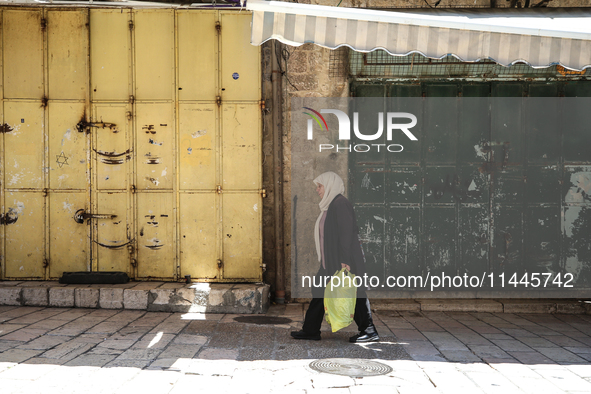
(340, 296)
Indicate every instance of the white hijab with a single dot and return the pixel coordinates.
(333, 186)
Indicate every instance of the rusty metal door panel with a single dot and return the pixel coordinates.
(441, 117)
(576, 227)
(67, 45)
(23, 54)
(371, 221)
(156, 250)
(576, 185)
(369, 186)
(403, 234)
(68, 148)
(112, 153)
(508, 185)
(542, 239)
(507, 242)
(24, 145)
(241, 143)
(516, 176)
(542, 129)
(368, 125)
(197, 58)
(440, 185)
(576, 222)
(198, 135)
(471, 185)
(240, 62)
(412, 103)
(25, 237)
(155, 146)
(404, 185)
(69, 241)
(241, 235)
(440, 237)
(543, 184)
(474, 127)
(474, 239)
(200, 235)
(112, 245)
(575, 123)
(110, 54)
(154, 54)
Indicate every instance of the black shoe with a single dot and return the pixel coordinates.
(304, 335)
(368, 335)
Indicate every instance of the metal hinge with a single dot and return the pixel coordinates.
(132, 189)
(43, 24)
(220, 263)
(45, 263)
(128, 114)
(218, 189)
(218, 27)
(131, 99)
(218, 100)
(131, 25)
(262, 104)
(45, 192)
(263, 193)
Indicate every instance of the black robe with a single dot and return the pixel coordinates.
(341, 238)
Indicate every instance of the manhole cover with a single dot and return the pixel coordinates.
(350, 367)
(262, 319)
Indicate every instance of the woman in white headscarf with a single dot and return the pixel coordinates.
(337, 246)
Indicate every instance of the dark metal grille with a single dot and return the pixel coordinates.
(381, 64)
(338, 66)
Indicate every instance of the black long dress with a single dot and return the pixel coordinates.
(341, 246)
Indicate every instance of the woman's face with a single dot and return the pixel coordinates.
(320, 190)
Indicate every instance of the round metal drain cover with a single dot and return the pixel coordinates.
(350, 367)
(262, 319)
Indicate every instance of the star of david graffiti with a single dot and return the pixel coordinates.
(62, 159)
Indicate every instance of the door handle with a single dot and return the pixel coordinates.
(83, 126)
(80, 216)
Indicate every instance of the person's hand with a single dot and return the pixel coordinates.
(346, 266)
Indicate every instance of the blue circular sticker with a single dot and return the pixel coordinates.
(235, 76)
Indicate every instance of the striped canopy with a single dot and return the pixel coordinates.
(540, 37)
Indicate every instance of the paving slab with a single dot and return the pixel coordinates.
(113, 350)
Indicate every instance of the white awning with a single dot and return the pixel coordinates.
(540, 37)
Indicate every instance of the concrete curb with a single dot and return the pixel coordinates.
(150, 296)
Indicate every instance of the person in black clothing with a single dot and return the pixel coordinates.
(337, 245)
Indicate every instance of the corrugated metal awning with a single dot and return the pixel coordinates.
(540, 37)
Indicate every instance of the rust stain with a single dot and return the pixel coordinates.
(149, 128)
(153, 161)
(5, 128)
(112, 246)
(153, 247)
(114, 158)
(9, 218)
(112, 154)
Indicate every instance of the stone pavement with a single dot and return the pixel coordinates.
(77, 350)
